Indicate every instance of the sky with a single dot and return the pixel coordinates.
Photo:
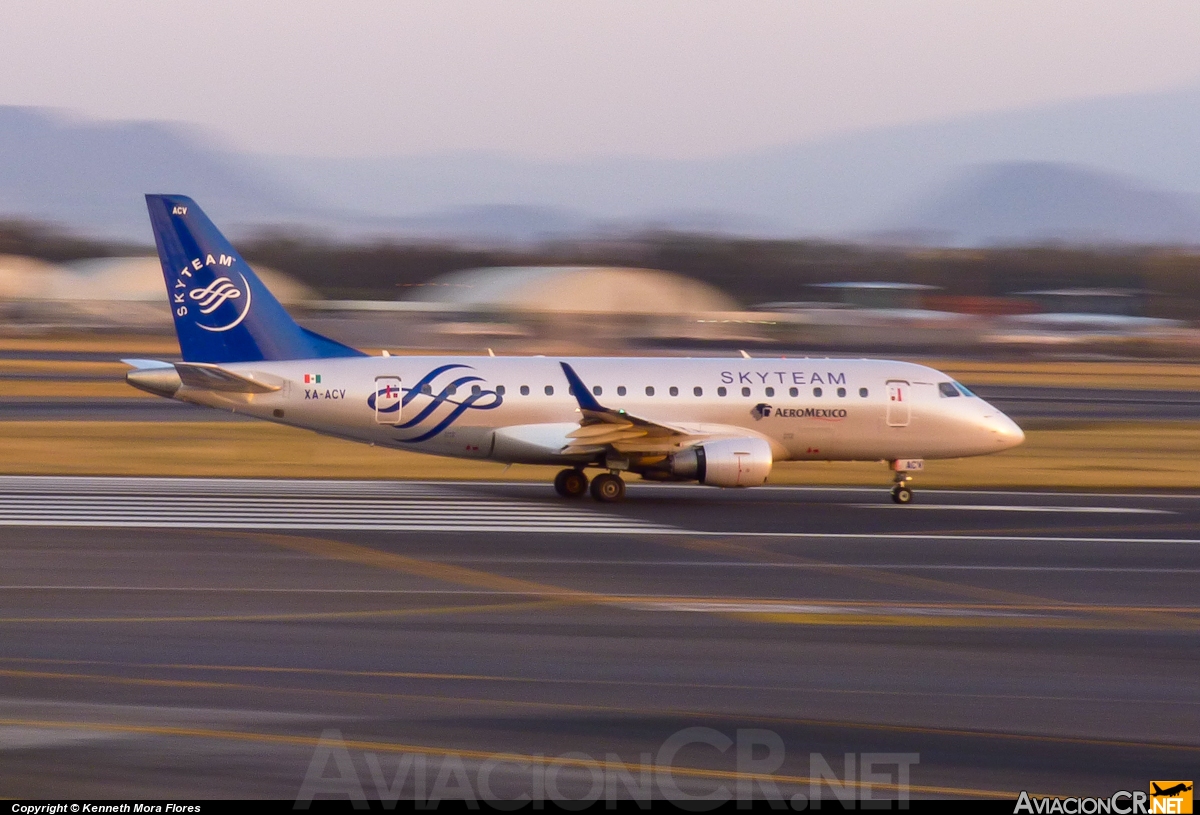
(562, 79)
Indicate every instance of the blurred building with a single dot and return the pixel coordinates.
(1119, 302)
(560, 307)
(877, 294)
(575, 289)
(103, 293)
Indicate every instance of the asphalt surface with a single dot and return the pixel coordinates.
(195, 637)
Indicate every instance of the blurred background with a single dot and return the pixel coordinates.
(1011, 193)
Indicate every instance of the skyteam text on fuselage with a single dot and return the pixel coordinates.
(720, 422)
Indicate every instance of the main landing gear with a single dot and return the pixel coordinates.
(571, 483)
(607, 488)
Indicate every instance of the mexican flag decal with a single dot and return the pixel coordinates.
(312, 379)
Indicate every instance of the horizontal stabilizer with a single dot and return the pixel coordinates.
(215, 378)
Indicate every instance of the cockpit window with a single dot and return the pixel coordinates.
(948, 389)
(963, 389)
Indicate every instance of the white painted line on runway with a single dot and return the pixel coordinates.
(281, 487)
(197, 504)
(1014, 508)
(883, 487)
(775, 607)
(921, 536)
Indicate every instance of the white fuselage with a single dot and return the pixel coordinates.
(519, 409)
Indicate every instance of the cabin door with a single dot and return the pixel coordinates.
(898, 409)
(387, 399)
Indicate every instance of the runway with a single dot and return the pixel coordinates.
(211, 637)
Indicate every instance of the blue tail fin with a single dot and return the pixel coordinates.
(223, 312)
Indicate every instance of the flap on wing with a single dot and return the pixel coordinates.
(206, 376)
(603, 427)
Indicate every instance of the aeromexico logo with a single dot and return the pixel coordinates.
(764, 411)
(435, 402)
(220, 304)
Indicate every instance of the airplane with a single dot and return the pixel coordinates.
(1170, 792)
(717, 422)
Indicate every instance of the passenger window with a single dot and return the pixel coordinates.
(620, 390)
(476, 390)
(427, 389)
(674, 391)
(721, 391)
(597, 390)
(524, 390)
(862, 392)
(649, 390)
(948, 389)
(817, 392)
(499, 390)
(745, 391)
(549, 390)
(451, 390)
(841, 392)
(770, 391)
(698, 391)
(793, 391)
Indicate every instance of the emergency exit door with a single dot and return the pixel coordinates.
(387, 399)
(898, 410)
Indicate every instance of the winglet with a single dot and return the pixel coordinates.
(582, 395)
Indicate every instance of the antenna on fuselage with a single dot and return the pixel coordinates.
(744, 355)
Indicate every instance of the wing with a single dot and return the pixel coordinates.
(603, 428)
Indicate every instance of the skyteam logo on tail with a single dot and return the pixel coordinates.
(438, 401)
(218, 306)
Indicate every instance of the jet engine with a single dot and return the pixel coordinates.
(744, 462)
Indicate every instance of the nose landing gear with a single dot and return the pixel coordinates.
(901, 490)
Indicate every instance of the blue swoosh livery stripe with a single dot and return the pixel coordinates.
(471, 402)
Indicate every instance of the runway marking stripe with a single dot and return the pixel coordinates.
(603, 526)
(393, 509)
(1004, 508)
(144, 666)
(480, 755)
(644, 601)
(279, 617)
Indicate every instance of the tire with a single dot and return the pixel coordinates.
(571, 483)
(902, 495)
(608, 488)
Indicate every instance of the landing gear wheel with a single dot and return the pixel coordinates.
(608, 488)
(901, 495)
(571, 483)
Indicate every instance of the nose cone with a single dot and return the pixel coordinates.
(1003, 430)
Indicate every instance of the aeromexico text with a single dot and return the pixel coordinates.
(781, 378)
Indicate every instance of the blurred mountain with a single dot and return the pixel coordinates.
(849, 185)
(1040, 202)
(1137, 153)
(90, 176)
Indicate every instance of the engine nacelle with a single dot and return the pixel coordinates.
(744, 462)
